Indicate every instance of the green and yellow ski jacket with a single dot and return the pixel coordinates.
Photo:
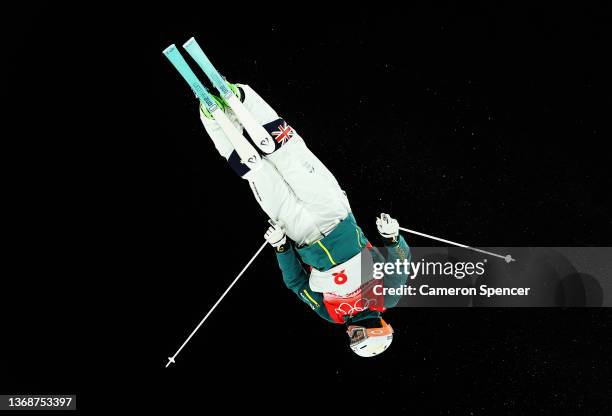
(343, 243)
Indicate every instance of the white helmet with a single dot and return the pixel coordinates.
(368, 342)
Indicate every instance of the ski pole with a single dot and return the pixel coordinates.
(508, 258)
(171, 359)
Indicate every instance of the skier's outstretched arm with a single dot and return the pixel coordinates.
(294, 275)
(397, 249)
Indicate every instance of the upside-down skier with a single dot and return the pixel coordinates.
(321, 251)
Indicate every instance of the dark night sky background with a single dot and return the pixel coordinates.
(486, 125)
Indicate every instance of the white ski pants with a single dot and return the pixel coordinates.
(293, 186)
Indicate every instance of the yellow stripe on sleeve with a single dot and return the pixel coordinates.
(311, 299)
(327, 252)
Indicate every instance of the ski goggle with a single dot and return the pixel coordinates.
(359, 333)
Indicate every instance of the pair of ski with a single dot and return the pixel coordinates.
(247, 153)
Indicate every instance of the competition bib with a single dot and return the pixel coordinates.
(344, 278)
